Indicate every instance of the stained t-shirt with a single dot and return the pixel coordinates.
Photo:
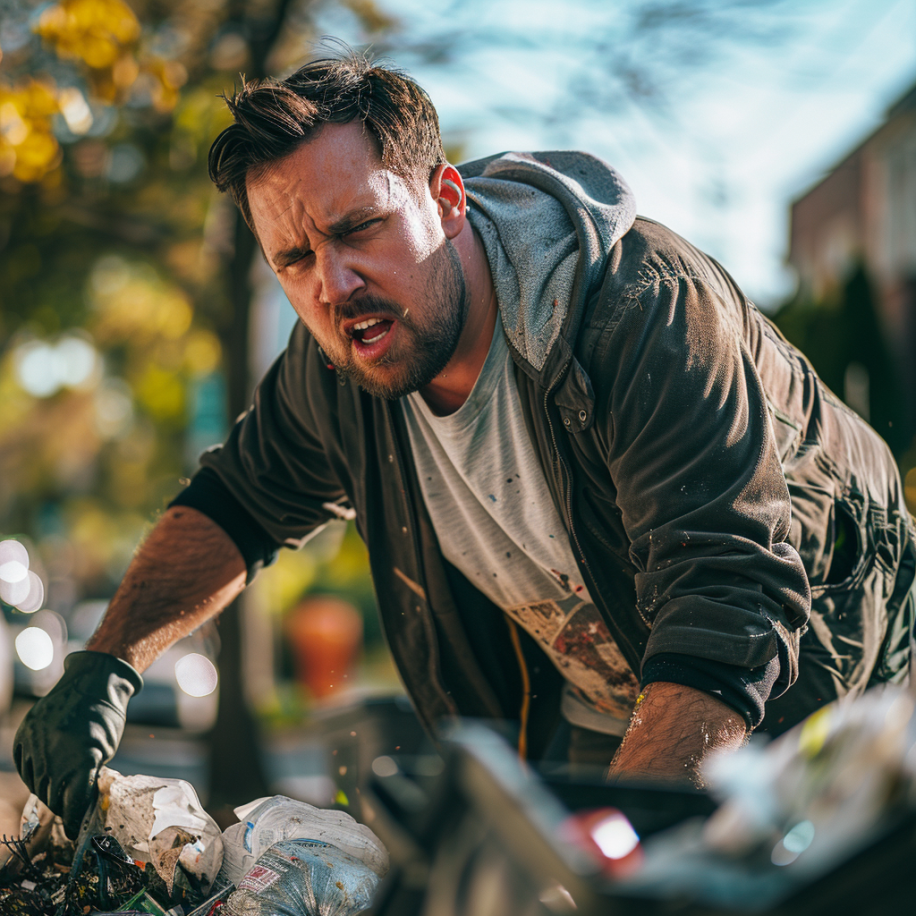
(496, 521)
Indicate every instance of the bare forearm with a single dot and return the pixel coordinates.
(672, 731)
(186, 571)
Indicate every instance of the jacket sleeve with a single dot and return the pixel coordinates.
(274, 461)
(703, 498)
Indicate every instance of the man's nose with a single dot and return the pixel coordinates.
(338, 275)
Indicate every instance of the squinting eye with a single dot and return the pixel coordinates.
(292, 259)
(361, 226)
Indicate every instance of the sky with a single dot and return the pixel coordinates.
(746, 124)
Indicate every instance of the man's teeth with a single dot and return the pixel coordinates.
(371, 323)
(377, 337)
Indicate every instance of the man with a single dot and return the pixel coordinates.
(591, 477)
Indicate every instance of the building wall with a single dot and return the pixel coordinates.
(827, 229)
(865, 208)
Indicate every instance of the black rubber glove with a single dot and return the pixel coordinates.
(71, 733)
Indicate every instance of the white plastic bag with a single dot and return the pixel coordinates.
(267, 821)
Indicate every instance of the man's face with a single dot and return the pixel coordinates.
(361, 255)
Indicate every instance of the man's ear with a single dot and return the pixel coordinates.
(447, 189)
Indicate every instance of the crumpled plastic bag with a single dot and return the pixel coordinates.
(304, 878)
(161, 820)
(267, 821)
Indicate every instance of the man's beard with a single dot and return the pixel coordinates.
(434, 333)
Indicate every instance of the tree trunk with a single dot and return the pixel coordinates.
(236, 764)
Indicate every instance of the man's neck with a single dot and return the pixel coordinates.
(452, 387)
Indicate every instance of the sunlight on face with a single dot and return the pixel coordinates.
(363, 259)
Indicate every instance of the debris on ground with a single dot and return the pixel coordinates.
(148, 847)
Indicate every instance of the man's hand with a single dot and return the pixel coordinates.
(186, 572)
(672, 731)
(70, 734)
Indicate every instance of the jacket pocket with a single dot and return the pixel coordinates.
(849, 549)
(850, 606)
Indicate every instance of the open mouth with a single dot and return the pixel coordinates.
(371, 336)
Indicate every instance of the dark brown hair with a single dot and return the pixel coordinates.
(273, 117)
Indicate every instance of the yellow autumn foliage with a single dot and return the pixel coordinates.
(160, 392)
(94, 31)
(28, 147)
(202, 352)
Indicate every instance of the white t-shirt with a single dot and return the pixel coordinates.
(496, 521)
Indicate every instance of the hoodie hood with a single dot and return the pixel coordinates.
(548, 222)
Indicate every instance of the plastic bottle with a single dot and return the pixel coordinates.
(304, 878)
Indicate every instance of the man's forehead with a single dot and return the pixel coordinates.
(311, 181)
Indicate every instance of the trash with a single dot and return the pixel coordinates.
(143, 903)
(40, 831)
(304, 878)
(834, 776)
(147, 846)
(34, 867)
(103, 880)
(161, 821)
(212, 905)
(792, 810)
(267, 821)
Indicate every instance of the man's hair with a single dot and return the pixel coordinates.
(273, 117)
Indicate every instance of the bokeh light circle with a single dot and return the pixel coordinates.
(14, 561)
(35, 648)
(196, 675)
(35, 596)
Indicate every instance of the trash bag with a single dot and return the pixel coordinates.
(304, 878)
(267, 821)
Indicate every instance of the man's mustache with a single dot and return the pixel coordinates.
(369, 305)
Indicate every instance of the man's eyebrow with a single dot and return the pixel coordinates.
(290, 255)
(351, 218)
(287, 256)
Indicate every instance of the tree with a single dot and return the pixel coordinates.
(108, 223)
(842, 337)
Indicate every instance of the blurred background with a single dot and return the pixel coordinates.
(136, 314)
